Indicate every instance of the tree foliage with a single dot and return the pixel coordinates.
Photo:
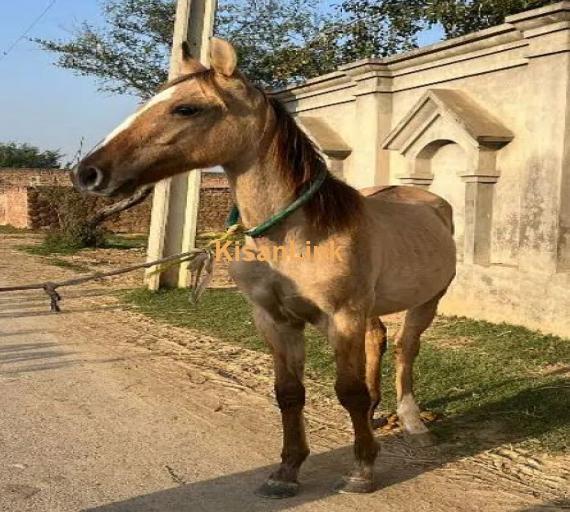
(278, 41)
(460, 17)
(378, 28)
(27, 156)
(384, 27)
(129, 53)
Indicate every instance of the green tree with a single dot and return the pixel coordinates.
(460, 17)
(378, 28)
(129, 53)
(278, 41)
(383, 27)
(28, 156)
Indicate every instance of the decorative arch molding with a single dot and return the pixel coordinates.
(444, 116)
(450, 116)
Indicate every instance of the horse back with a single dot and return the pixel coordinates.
(412, 196)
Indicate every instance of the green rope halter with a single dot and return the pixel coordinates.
(262, 228)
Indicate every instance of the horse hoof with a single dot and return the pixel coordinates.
(355, 485)
(420, 440)
(378, 422)
(277, 490)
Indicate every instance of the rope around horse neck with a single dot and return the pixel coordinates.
(275, 219)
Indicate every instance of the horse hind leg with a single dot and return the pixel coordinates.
(375, 344)
(416, 321)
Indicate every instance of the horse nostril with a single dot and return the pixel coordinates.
(90, 178)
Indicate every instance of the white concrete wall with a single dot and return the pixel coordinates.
(500, 154)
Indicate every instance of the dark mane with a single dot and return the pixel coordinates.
(336, 205)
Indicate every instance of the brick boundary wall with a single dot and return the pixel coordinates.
(24, 204)
(11, 178)
(41, 214)
(215, 205)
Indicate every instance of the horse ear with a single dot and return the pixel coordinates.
(189, 64)
(223, 57)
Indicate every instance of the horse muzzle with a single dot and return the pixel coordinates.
(89, 178)
(94, 180)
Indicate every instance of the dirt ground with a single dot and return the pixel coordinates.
(106, 410)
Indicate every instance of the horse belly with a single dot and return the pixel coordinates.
(416, 267)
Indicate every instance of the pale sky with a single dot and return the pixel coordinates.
(40, 103)
(51, 107)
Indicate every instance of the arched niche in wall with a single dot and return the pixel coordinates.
(444, 123)
(447, 161)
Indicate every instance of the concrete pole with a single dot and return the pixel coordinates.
(175, 200)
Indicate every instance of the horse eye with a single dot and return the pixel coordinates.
(186, 110)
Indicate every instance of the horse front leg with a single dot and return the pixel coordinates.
(347, 335)
(288, 347)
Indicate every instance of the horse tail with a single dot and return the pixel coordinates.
(445, 212)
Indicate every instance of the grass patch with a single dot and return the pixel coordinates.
(61, 263)
(53, 244)
(125, 241)
(490, 389)
(50, 246)
(11, 230)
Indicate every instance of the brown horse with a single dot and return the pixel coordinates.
(396, 245)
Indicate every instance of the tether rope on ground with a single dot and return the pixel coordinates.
(201, 262)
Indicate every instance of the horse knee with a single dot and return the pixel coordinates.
(353, 395)
(290, 395)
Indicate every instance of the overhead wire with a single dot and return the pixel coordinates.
(32, 25)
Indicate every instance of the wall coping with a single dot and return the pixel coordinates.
(30, 177)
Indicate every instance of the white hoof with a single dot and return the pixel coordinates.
(409, 416)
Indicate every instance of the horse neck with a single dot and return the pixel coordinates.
(259, 190)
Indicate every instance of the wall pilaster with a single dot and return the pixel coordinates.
(373, 118)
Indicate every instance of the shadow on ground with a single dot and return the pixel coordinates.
(69, 310)
(21, 358)
(478, 427)
(25, 357)
(234, 493)
(549, 507)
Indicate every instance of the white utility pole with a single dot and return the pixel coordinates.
(175, 200)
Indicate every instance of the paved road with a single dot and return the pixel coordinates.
(86, 425)
(99, 413)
